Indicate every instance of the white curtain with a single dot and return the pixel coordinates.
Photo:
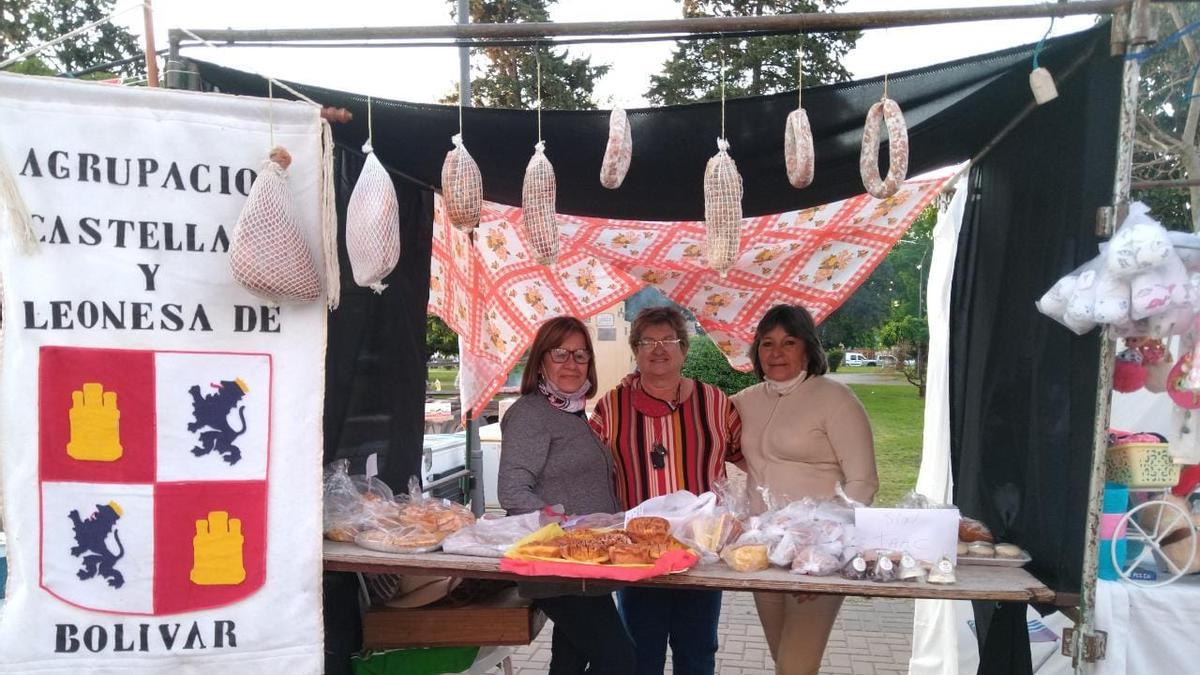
(935, 643)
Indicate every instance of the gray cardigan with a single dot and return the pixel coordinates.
(547, 457)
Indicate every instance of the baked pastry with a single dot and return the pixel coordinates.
(970, 530)
(629, 554)
(540, 550)
(648, 529)
(748, 558)
(584, 550)
(1008, 551)
(981, 549)
(404, 541)
(343, 533)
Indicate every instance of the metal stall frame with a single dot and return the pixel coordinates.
(1130, 34)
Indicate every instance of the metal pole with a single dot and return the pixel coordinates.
(474, 449)
(151, 53)
(815, 22)
(1083, 638)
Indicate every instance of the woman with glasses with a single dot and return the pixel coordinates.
(667, 433)
(802, 434)
(549, 456)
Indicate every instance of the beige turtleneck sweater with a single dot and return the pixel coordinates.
(804, 443)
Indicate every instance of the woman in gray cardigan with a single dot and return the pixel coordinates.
(548, 456)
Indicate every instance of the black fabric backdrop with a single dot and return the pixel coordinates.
(1022, 387)
(952, 110)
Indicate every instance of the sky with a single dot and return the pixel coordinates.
(428, 74)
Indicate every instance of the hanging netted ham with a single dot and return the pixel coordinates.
(268, 255)
(373, 225)
(798, 149)
(537, 205)
(722, 208)
(619, 151)
(462, 187)
(868, 162)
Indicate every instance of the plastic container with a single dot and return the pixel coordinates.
(1142, 465)
(1116, 498)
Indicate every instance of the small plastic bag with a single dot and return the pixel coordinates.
(267, 254)
(491, 536)
(1140, 244)
(373, 225)
(342, 503)
(819, 560)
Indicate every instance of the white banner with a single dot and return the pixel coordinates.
(160, 426)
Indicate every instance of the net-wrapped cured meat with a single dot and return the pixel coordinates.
(537, 205)
(462, 187)
(267, 254)
(373, 225)
(722, 208)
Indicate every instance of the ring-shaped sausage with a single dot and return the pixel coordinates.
(868, 163)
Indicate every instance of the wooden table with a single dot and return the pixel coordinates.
(975, 582)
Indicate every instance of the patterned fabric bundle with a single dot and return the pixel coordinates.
(619, 151)
(268, 255)
(722, 208)
(373, 225)
(798, 149)
(868, 162)
(462, 187)
(537, 205)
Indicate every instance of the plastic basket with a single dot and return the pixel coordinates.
(1142, 465)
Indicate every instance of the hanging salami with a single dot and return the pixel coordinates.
(798, 149)
(887, 111)
(619, 151)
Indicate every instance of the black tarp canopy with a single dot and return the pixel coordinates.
(1022, 388)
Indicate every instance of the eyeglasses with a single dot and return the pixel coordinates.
(651, 345)
(560, 355)
(658, 456)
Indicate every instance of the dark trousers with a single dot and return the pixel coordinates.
(685, 618)
(588, 636)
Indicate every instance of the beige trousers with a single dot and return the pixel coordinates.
(796, 630)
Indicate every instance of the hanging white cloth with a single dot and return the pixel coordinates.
(935, 645)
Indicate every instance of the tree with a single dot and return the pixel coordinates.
(756, 65)
(706, 363)
(27, 23)
(1167, 142)
(439, 337)
(911, 335)
(509, 79)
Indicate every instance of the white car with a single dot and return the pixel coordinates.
(856, 359)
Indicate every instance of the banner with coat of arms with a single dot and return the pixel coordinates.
(160, 426)
(493, 293)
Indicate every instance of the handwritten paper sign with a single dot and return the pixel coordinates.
(925, 534)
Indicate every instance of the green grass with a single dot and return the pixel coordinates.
(897, 418)
(445, 375)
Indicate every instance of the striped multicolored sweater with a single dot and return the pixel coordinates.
(698, 436)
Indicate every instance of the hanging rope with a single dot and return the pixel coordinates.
(370, 125)
(721, 76)
(271, 111)
(1037, 51)
(537, 57)
(800, 73)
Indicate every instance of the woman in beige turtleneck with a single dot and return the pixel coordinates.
(802, 434)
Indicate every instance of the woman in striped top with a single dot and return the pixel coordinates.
(667, 433)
